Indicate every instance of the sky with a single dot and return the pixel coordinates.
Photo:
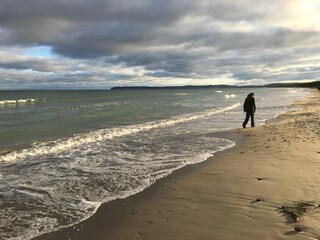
(98, 44)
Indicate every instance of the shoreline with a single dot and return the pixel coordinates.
(72, 232)
(251, 191)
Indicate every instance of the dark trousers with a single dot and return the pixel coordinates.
(249, 115)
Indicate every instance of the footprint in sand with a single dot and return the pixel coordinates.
(138, 236)
(259, 178)
(257, 200)
(298, 229)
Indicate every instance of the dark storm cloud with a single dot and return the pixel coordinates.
(170, 61)
(167, 39)
(40, 65)
(72, 20)
(12, 11)
(269, 38)
(98, 28)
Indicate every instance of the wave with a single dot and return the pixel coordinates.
(55, 147)
(17, 101)
(67, 193)
(228, 96)
(182, 94)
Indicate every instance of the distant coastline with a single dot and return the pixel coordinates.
(314, 84)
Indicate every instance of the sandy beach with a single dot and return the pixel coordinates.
(265, 188)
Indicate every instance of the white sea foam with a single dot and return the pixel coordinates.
(68, 191)
(8, 102)
(182, 94)
(228, 96)
(85, 205)
(30, 194)
(46, 224)
(55, 147)
(17, 101)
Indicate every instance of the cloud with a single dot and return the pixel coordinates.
(156, 41)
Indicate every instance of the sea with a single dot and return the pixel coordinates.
(64, 153)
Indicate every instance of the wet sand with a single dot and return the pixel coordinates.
(265, 188)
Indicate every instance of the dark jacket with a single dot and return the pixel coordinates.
(249, 104)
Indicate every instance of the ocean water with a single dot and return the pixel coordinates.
(64, 153)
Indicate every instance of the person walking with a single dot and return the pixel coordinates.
(249, 107)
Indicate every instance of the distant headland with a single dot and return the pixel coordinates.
(315, 84)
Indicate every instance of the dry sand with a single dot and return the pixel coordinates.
(266, 188)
